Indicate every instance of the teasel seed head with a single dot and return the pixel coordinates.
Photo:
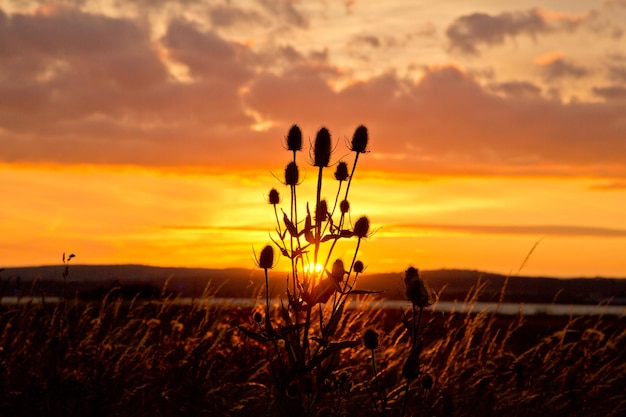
(322, 148)
(274, 197)
(370, 339)
(294, 139)
(266, 259)
(338, 270)
(321, 213)
(341, 173)
(411, 367)
(344, 206)
(292, 174)
(427, 381)
(258, 317)
(308, 384)
(362, 227)
(358, 267)
(359, 140)
(416, 290)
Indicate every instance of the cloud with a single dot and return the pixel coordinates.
(227, 15)
(614, 92)
(77, 87)
(555, 66)
(534, 230)
(286, 11)
(467, 33)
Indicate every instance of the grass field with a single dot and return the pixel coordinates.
(118, 357)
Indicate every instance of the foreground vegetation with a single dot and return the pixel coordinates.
(117, 357)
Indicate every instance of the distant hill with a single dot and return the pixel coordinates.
(95, 280)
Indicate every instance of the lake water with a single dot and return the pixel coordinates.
(442, 306)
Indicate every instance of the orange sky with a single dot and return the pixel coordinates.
(149, 132)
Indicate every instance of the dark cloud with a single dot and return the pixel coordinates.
(75, 94)
(226, 15)
(447, 122)
(517, 89)
(534, 230)
(286, 12)
(560, 67)
(615, 92)
(467, 33)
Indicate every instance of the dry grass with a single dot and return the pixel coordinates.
(119, 358)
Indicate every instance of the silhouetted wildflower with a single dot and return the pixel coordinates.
(359, 140)
(294, 139)
(416, 290)
(274, 197)
(292, 175)
(370, 339)
(362, 227)
(266, 259)
(341, 173)
(322, 148)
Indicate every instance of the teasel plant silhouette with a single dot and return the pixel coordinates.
(306, 331)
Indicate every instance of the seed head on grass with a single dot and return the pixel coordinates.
(416, 290)
(358, 267)
(370, 339)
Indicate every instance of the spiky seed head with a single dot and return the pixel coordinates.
(294, 139)
(344, 206)
(266, 259)
(258, 317)
(416, 290)
(359, 140)
(322, 148)
(370, 339)
(274, 197)
(358, 267)
(308, 384)
(427, 381)
(341, 173)
(321, 213)
(362, 227)
(338, 270)
(292, 174)
(411, 367)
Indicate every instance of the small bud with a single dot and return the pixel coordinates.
(341, 173)
(358, 267)
(416, 290)
(258, 317)
(322, 148)
(338, 270)
(274, 197)
(321, 213)
(370, 339)
(294, 139)
(292, 175)
(266, 260)
(308, 384)
(359, 140)
(344, 206)
(411, 367)
(362, 227)
(427, 381)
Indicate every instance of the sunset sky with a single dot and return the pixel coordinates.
(150, 131)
